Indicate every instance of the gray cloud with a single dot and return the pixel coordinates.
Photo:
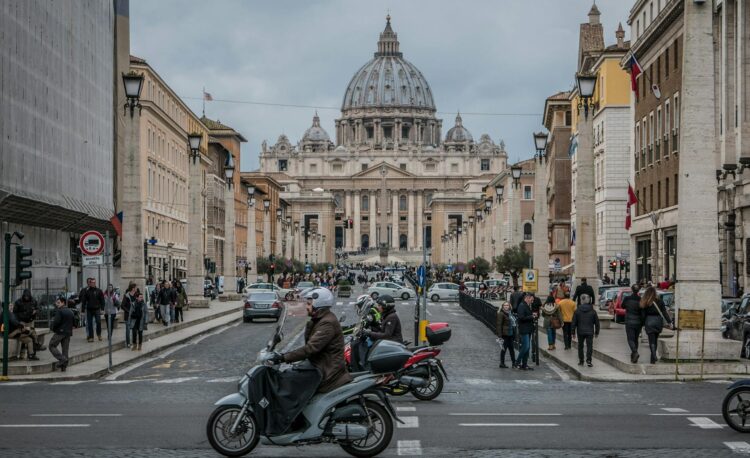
(496, 56)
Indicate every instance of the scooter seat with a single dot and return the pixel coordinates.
(359, 374)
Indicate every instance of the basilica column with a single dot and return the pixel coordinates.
(394, 221)
(373, 203)
(410, 222)
(266, 233)
(252, 248)
(348, 214)
(299, 255)
(356, 231)
(420, 224)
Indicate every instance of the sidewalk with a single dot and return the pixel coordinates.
(88, 360)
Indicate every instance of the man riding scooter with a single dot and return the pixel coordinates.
(324, 342)
(390, 325)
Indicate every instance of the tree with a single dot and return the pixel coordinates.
(481, 265)
(263, 264)
(513, 261)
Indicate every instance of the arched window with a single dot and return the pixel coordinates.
(365, 203)
(402, 203)
(527, 231)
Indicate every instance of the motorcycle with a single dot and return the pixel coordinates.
(736, 406)
(280, 406)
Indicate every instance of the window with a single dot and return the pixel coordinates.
(666, 119)
(365, 203)
(676, 114)
(338, 167)
(645, 208)
(430, 167)
(658, 194)
(402, 203)
(651, 197)
(364, 167)
(637, 28)
(527, 235)
(404, 132)
(666, 192)
(485, 165)
(666, 63)
(658, 132)
(402, 166)
(676, 55)
(676, 190)
(568, 118)
(388, 133)
(370, 132)
(282, 165)
(313, 168)
(527, 192)
(454, 168)
(658, 70)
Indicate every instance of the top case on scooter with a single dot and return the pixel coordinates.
(438, 333)
(387, 356)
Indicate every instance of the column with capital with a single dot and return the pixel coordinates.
(252, 249)
(373, 203)
(266, 233)
(356, 230)
(420, 223)
(394, 221)
(410, 222)
(348, 245)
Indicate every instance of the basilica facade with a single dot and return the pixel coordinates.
(388, 176)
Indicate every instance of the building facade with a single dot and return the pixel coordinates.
(386, 164)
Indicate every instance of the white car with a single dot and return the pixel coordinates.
(286, 294)
(394, 290)
(443, 292)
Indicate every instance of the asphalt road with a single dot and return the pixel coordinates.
(159, 408)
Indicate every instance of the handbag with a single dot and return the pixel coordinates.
(555, 322)
(665, 321)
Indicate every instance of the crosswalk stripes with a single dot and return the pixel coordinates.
(739, 447)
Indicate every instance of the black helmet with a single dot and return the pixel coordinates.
(386, 301)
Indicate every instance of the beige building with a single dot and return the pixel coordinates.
(388, 176)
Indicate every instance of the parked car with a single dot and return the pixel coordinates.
(443, 292)
(494, 282)
(286, 293)
(619, 313)
(262, 304)
(608, 296)
(603, 288)
(390, 288)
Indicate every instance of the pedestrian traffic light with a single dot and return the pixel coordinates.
(622, 264)
(474, 269)
(351, 223)
(273, 268)
(613, 266)
(22, 264)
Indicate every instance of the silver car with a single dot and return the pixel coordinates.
(443, 292)
(262, 304)
(392, 289)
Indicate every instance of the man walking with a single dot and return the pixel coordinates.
(525, 319)
(128, 301)
(62, 327)
(586, 326)
(165, 300)
(583, 288)
(568, 308)
(92, 301)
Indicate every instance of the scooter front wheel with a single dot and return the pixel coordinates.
(380, 426)
(218, 430)
(736, 409)
(433, 389)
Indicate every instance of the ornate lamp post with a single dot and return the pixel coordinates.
(196, 266)
(251, 250)
(230, 256)
(541, 240)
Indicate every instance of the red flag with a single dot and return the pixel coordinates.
(635, 70)
(117, 223)
(632, 199)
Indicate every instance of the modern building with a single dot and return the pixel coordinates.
(386, 167)
(58, 132)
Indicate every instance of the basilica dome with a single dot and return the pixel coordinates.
(458, 133)
(315, 133)
(388, 80)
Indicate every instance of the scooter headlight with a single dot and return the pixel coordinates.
(242, 385)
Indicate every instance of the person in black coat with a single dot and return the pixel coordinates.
(656, 317)
(390, 326)
(62, 327)
(634, 316)
(585, 325)
(583, 288)
(525, 319)
(92, 301)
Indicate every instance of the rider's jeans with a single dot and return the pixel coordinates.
(523, 352)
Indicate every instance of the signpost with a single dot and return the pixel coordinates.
(529, 281)
(92, 246)
(691, 320)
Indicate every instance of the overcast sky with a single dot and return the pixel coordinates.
(483, 56)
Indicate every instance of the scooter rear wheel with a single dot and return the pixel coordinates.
(380, 434)
(222, 440)
(433, 389)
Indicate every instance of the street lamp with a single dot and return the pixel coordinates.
(499, 192)
(133, 83)
(296, 226)
(289, 221)
(515, 171)
(229, 169)
(250, 194)
(586, 85)
(540, 142)
(478, 212)
(266, 204)
(471, 220)
(487, 205)
(278, 214)
(194, 141)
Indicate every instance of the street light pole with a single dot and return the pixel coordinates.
(541, 241)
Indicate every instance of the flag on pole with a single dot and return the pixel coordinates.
(635, 70)
(632, 199)
(116, 221)
(207, 97)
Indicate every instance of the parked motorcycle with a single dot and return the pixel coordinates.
(279, 406)
(736, 406)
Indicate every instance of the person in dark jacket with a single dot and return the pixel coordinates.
(525, 318)
(324, 342)
(390, 324)
(586, 327)
(25, 309)
(62, 327)
(128, 301)
(18, 330)
(138, 320)
(165, 300)
(583, 288)
(656, 317)
(634, 316)
(92, 301)
(506, 328)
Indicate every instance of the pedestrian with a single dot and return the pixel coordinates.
(181, 302)
(138, 320)
(553, 320)
(127, 303)
(585, 326)
(92, 301)
(172, 301)
(25, 309)
(655, 320)
(20, 331)
(634, 317)
(525, 319)
(154, 299)
(111, 304)
(165, 297)
(506, 329)
(567, 308)
(62, 328)
(583, 288)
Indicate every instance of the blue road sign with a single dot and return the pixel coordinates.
(152, 241)
(449, 268)
(421, 275)
(308, 269)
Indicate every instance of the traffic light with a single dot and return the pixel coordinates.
(613, 266)
(474, 269)
(351, 223)
(346, 224)
(622, 264)
(22, 263)
(273, 268)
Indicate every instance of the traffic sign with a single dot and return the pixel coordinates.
(308, 268)
(449, 267)
(91, 243)
(92, 260)
(421, 275)
(530, 280)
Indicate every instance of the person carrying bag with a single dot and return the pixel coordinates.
(656, 319)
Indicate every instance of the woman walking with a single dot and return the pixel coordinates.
(506, 329)
(553, 320)
(634, 316)
(138, 318)
(181, 301)
(656, 318)
(111, 304)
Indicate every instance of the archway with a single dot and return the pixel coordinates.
(365, 241)
(402, 242)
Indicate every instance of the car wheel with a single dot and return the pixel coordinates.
(435, 298)
(405, 296)
(374, 295)
(245, 319)
(746, 346)
(249, 320)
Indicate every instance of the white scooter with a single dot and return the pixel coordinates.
(281, 407)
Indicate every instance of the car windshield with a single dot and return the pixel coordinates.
(260, 297)
(305, 284)
(667, 298)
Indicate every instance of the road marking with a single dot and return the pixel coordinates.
(444, 304)
(339, 303)
(406, 409)
(224, 380)
(47, 426)
(15, 383)
(503, 414)
(70, 382)
(428, 312)
(722, 382)
(176, 380)
(409, 422)
(528, 382)
(409, 448)
(673, 410)
(118, 382)
(741, 447)
(455, 314)
(684, 414)
(478, 381)
(704, 423)
(77, 415)
(511, 425)
(578, 382)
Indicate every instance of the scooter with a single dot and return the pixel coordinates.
(281, 407)
(736, 406)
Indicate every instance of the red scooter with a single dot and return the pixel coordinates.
(423, 374)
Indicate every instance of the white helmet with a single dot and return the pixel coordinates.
(362, 300)
(321, 297)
